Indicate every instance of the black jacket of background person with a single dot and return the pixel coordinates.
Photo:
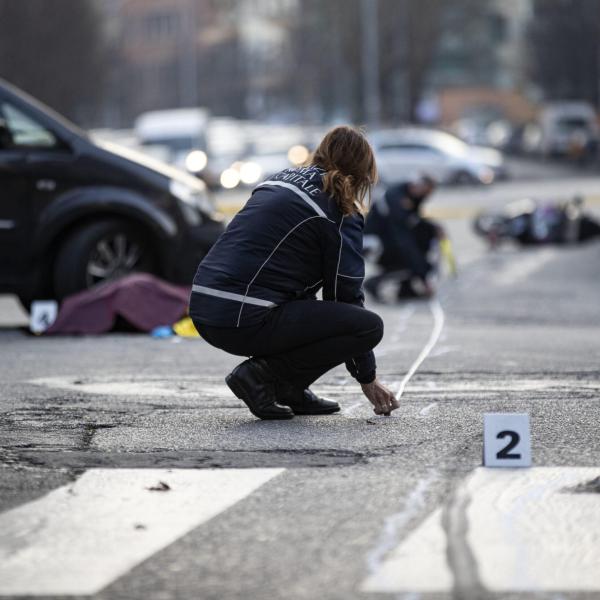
(289, 241)
(395, 225)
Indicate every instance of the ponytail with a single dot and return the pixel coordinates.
(342, 188)
(350, 171)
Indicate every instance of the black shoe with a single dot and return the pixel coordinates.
(305, 402)
(406, 290)
(252, 382)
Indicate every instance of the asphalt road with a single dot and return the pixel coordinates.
(119, 454)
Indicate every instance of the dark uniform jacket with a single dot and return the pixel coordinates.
(400, 230)
(289, 241)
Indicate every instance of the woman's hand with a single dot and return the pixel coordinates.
(382, 399)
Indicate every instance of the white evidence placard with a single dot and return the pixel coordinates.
(43, 314)
(506, 440)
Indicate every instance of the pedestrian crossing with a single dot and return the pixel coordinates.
(509, 530)
(523, 530)
(81, 537)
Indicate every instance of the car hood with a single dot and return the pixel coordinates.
(152, 164)
(487, 156)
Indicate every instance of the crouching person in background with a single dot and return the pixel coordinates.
(407, 239)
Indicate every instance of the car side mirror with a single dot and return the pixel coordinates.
(6, 139)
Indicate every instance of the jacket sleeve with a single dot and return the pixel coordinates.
(343, 275)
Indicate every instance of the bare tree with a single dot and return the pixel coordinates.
(54, 50)
(565, 48)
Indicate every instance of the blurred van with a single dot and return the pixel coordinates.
(567, 128)
(177, 136)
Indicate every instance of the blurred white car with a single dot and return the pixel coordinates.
(403, 154)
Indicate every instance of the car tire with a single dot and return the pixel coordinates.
(100, 252)
(464, 178)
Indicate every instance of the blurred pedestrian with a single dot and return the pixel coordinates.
(406, 237)
(254, 294)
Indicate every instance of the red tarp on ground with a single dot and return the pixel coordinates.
(142, 300)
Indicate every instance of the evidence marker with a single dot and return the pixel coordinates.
(506, 440)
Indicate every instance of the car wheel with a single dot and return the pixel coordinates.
(100, 252)
(464, 178)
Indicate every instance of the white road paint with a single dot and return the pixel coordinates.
(419, 563)
(438, 325)
(395, 523)
(188, 389)
(520, 268)
(526, 530)
(519, 384)
(79, 538)
(147, 387)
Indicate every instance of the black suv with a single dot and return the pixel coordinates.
(75, 212)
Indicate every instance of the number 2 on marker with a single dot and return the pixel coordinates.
(514, 440)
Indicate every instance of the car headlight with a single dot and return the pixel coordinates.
(230, 178)
(250, 173)
(298, 154)
(486, 175)
(193, 200)
(195, 161)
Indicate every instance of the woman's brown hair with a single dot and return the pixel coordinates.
(348, 160)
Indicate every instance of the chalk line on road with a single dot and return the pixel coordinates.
(81, 537)
(438, 325)
(530, 530)
(424, 412)
(394, 523)
(393, 526)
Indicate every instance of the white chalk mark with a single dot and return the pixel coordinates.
(419, 563)
(350, 409)
(395, 523)
(79, 538)
(425, 411)
(438, 324)
(528, 532)
(441, 350)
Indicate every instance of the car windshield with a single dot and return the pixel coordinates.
(570, 123)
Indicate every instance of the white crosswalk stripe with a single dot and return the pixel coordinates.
(527, 530)
(80, 537)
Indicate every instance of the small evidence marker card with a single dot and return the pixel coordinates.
(506, 440)
(43, 314)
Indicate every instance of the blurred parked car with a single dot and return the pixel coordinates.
(405, 153)
(262, 163)
(75, 212)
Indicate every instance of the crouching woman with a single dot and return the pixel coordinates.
(254, 294)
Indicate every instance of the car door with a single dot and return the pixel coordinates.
(400, 161)
(32, 160)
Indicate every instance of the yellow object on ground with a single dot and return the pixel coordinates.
(185, 328)
(448, 254)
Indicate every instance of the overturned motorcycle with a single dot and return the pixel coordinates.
(533, 222)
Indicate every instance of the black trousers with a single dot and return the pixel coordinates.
(400, 270)
(303, 339)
